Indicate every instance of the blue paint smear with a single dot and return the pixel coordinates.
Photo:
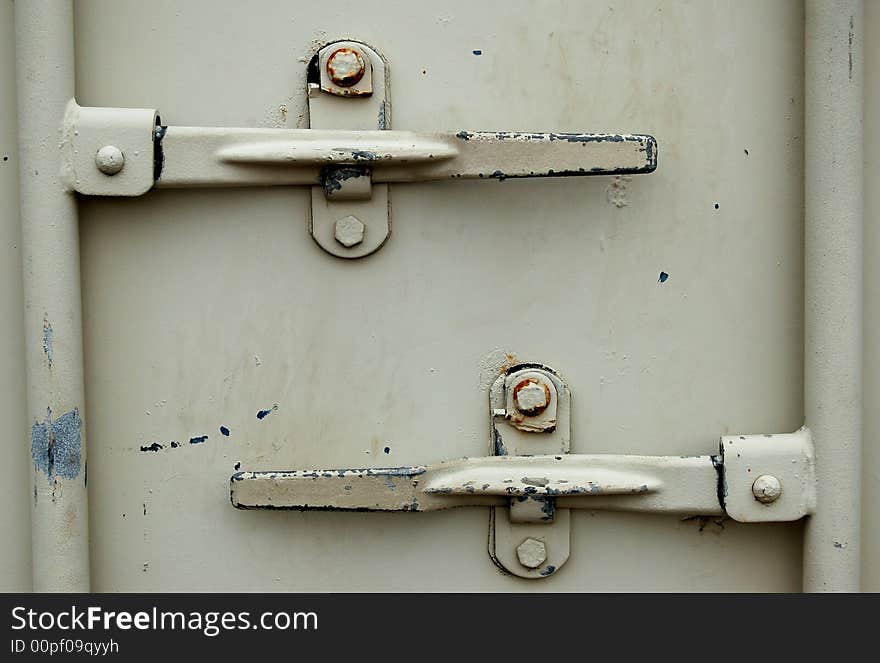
(224, 431)
(198, 440)
(152, 447)
(478, 52)
(56, 446)
(262, 414)
(663, 277)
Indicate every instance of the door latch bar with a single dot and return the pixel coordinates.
(752, 478)
(349, 156)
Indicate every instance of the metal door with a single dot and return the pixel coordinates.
(218, 336)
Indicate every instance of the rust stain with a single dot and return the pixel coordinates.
(531, 411)
(346, 67)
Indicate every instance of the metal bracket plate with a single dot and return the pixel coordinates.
(769, 478)
(350, 215)
(129, 131)
(530, 409)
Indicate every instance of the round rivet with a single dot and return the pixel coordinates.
(346, 67)
(109, 160)
(766, 488)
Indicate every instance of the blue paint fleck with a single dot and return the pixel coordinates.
(152, 447)
(237, 467)
(478, 52)
(663, 277)
(48, 334)
(224, 431)
(56, 446)
(174, 445)
(262, 414)
(387, 450)
(717, 206)
(198, 440)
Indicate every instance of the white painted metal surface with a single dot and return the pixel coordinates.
(834, 221)
(52, 301)
(215, 336)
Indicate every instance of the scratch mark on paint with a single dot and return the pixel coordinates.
(663, 277)
(56, 446)
(851, 35)
(262, 414)
(47, 341)
(198, 440)
(224, 431)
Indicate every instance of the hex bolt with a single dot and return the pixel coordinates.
(531, 397)
(346, 67)
(531, 553)
(766, 488)
(109, 159)
(349, 231)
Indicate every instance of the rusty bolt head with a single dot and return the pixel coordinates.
(346, 67)
(109, 160)
(349, 231)
(531, 397)
(766, 488)
(531, 553)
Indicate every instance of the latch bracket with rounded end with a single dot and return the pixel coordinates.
(347, 90)
(530, 411)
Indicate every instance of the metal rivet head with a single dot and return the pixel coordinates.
(531, 397)
(766, 489)
(109, 160)
(349, 231)
(346, 67)
(531, 553)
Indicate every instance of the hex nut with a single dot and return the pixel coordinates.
(346, 67)
(531, 553)
(766, 488)
(349, 231)
(531, 397)
(109, 160)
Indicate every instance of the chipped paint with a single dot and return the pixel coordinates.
(48, 334)
(616, 193)
(262, 414)
(56, 445)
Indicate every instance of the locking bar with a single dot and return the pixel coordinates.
(173, 156)
(531, 480)
(712, 485)
(196, 156)
(662, 484)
